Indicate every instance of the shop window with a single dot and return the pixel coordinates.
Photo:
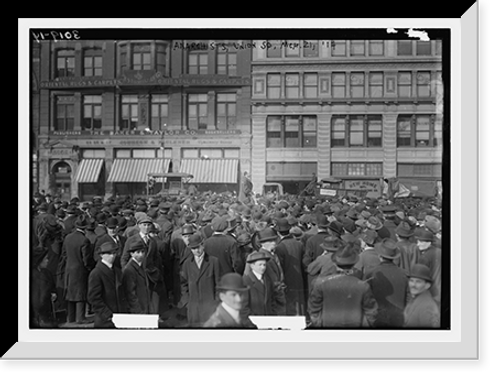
(143, 153)
(93, 153)
(197, 111)
(419, 170)
(212, 153)
(356, 169)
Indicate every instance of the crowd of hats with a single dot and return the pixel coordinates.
(348, 218)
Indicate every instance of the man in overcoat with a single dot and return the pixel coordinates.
(77, 256)
(422, 310)
(135, 280)
(111, 235)
(105, 293)
(369, 257)
(232, 293)
(342, 300)
(389, 284)
(431, 257)
(290, 253)
(223, 247)
(200, 275)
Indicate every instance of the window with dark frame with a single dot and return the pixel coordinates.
(274, 86)
(338, 48)
(424, 84)
(92, 112)
(292, 85)
(357, 85)
(423, 48)
(141, 57)
(92, 62)
(129, 112)
(159, 111)
(376, 48)
(376, 84)
(374, 131)
(419, 130)
(404, 84)
(291, 131)
(357, 169)
(358, 48)
(275, 49)
(197, 111)
(310, 85)
(311, 48)
(226, 111)
(65, 115)
(226, 61)
(405, 47)
(356, 131)
(65, 63)
(339, 128)
(197, 62)
(138, 56)
(338, 85)
(292, 48)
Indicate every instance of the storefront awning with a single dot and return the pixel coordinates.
(136, 170)
(211, 170)
(89, 170)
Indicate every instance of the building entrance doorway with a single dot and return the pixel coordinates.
(61, 175)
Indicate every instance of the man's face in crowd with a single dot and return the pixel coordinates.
(138, 255)
(233, 299)
(198, 251)
(417, 286)
(108, 257)
(185, 238)
(112, 231)
(145, 227)
(269, 245)
(259, 266)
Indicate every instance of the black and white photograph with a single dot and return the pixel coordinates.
(239, 182)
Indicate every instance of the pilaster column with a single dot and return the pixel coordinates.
(324, 146)
(258, 156)
(390, 144)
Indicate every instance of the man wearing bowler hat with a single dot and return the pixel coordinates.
(389, 284)
(290, 253)
(200, 275)
(136, 282)
(232, 294)
(325, 264)
(342, 300)
(223, 247)
(264, 295)
(77, 261)
(268, 239)
(369, 257)
(431, 257)
(105, 293)
(422, 310)
(111, 235)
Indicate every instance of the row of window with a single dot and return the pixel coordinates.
(163, 153)
(92, 111)
(348, 48)
(350, 85)
(290, 131)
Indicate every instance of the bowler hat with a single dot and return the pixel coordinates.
(388, 249)
(137, 245)
(108, 247)
(424, 235)
(420, 271)
(232, 282)
(187, 229)
(114, 209)
(111, 223)
(332, 244)
(404, 230)
(268, 234)
(257, 255)
(60, 213)
(283, 226)
(195, 240)
(336, 227)
(388, 209)
(243, 239)
(348, 256)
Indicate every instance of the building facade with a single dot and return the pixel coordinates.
(358, 110)
(111, 111)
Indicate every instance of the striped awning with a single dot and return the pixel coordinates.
(136, 170)
(211, 170)
(89, 170)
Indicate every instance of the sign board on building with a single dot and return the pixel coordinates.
(373, 185)
(185, 133)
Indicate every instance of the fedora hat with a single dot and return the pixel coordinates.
(322, 221)
(374, 223)
(349, 255)
(243, 239)
(268, 234)
(388, 249)
(108, 247)
(283, 226)
(421, 272)
(297, 232)
(219, 224)
(81, 222)
(257, 255)
(232, 282)
(424, 235)
(195, 240)
(404, 230)
(336, 227)
(332, 244)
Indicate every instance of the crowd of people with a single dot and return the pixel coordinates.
(213, 260)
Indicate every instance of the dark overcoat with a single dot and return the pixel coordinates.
(77, 254)
(107, 238)
(313, 249)
(368, 260)
(342, 301)
(225, 249)
(290, 252)
(135, 284)
(105, 294)
(198, 286)
(432, 259)
(263, 298)
(409, 254)
(422, 312)
(42, 285)
(389, 284)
